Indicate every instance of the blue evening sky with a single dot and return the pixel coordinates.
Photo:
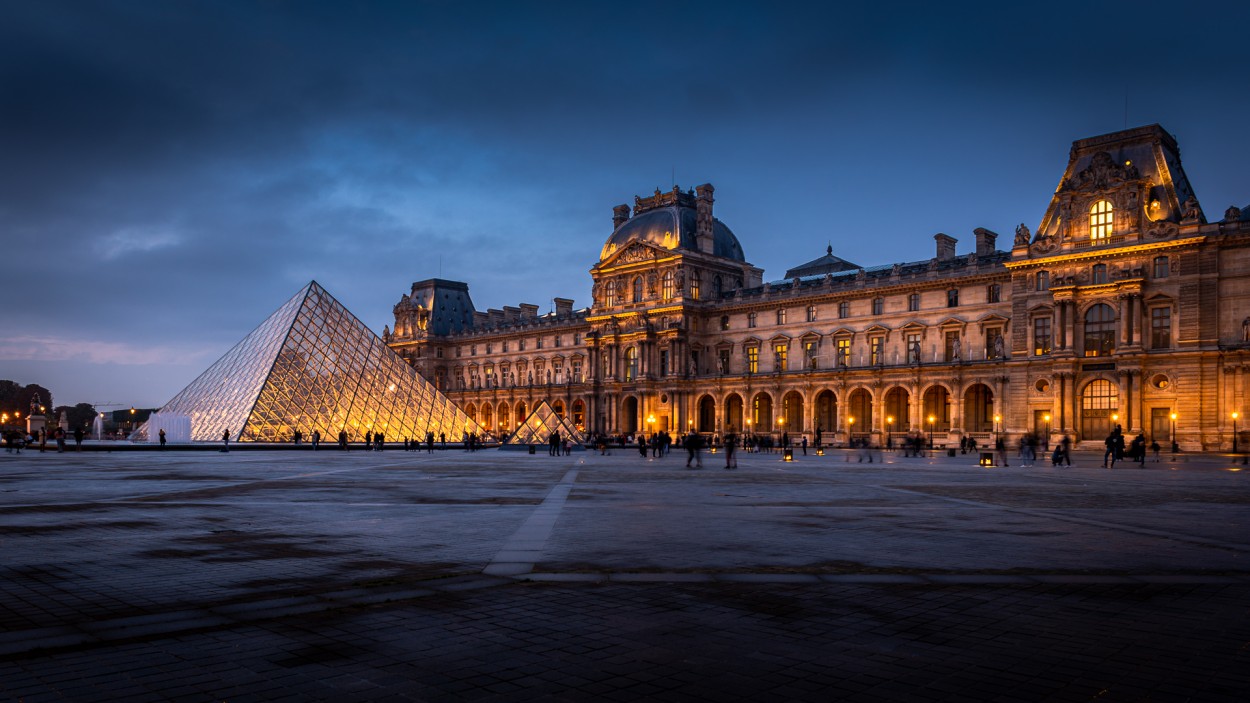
(172, 171)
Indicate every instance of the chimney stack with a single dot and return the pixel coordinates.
(564, 306)
(985, 241)
(704, 223)
(620, 214)
(945, 246)
(528, 311)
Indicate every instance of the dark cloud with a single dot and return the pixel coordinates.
(183, 167)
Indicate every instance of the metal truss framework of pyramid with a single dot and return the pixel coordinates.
(314, 366)
(537, 428)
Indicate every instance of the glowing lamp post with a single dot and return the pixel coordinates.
(997, 424)
(889, 429)
(1175, 448)
(932, 421)
(1046, 417)
(850, 429)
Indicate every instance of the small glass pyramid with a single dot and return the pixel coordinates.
(313, 366)
(537, 428)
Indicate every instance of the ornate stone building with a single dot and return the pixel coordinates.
(1126, 307)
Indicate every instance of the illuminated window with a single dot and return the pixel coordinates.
(1160, 328)
(631, 363)
(781, 352)
(809, 350)
(876, 350)
(637, 289)
(694, 285)
(753, 359)
(1161, 267)
(609, 293)
(668, 288)
(1101, 220)
(844, 352)
(878, 306)
(1099, 330)
(913, 302)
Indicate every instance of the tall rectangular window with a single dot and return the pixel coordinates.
(994, 343)
(663, 362)
(1161, 267)
(750, 319)
(913, 348)
(952, 298)
(1043, 280)
(951, 345)
(844, 309)
(781, 316)
(1098, 274)
(993, 293)
(1041, 336)
(724, 361)
(876, 350)
(878, 306)
(844, 352)
(1160, 328)
(913, 302)
(811, 313)
(809, 351)
(753, 359)
(781, 351)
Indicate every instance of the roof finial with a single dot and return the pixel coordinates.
(829, 249)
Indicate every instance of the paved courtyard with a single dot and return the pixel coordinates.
(362, 576)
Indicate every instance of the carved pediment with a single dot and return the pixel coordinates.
(1162, 229)
(1103, 171)
(636, 252)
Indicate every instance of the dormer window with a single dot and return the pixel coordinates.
(1101, 220)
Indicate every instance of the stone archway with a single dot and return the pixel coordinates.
(488, 418)
(859, 413)
(936, 416)
(707, 414)
(897, 417)
(826, 418)
(978, 408)
(628, 421)
(1100, 399)
(733, 413)
(792, 411)
(761, 413)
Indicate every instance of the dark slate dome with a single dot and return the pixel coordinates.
(671, 228)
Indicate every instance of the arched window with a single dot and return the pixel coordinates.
(718, 286)
(1099, 330)
(668, 290)
(694, 285)
(609, 293)
(637, 286)
(1101, 220)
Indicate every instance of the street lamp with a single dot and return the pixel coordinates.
(1046, 417)
(997, 420)
(889, 432)
(1175, 448)
(1235, 416)
(932, 420)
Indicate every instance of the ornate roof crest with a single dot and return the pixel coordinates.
(1101, 172)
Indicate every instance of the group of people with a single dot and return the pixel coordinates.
(1135, 451)
(15, 440)
(558, 446)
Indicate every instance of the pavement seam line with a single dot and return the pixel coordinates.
(523, 548)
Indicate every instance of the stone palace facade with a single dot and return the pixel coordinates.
(1127, 306)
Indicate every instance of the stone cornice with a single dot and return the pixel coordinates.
(1103, 253)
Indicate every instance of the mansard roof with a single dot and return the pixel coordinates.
(822, 265)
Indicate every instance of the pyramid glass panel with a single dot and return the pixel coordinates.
(538, 426)
(313, 366)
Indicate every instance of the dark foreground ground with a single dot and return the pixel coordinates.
(451, 576)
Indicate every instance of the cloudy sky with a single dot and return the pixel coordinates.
(172, 171)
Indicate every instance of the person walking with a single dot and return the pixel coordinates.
(60, 440)
(731, 443)
(225, 441)
(379, 440)
(1137, 450)
(369, 440)
(429, 443)
(804, 445)
(343, 440)
(1109, 454)
(642, 445)
(162, 437)
(78, 435)
(316, 439)
(1065, 445)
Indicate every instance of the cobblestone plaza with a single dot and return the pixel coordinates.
(294, 575)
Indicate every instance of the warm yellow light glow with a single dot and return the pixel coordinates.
(1173, 416)
(997, 418)
(889, 420)
(132, 410)
(851, 420)
(932, 419)
(1115, 417)
(781, 421)
(1235, 415)
(1046, 417)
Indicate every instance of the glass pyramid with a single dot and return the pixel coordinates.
(313, 366)
(537, 428)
